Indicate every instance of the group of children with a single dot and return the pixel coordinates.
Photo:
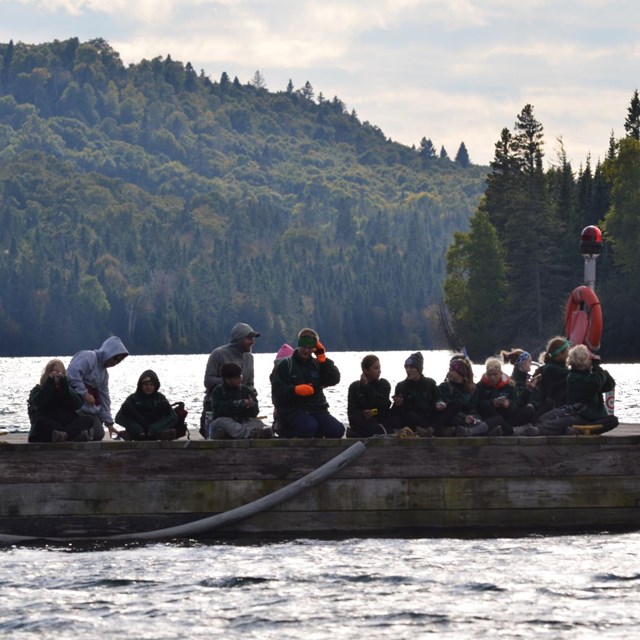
(566, 390)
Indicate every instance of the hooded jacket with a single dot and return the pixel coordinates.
(87, 369)
(146, 414)
(231, 352)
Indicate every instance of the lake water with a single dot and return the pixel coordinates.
(569, 587)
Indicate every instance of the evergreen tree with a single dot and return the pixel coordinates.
(462, 156)
(632, 121)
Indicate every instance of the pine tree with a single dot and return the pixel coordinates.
(632, 121)
(462, 157)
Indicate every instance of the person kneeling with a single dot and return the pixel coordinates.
(147, 414)
(235, 407)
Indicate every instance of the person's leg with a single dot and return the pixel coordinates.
(97, 428)
(226, 428)
(43, 428)
(329, 427)
(76, 428)
(365, 427)
(303, 425)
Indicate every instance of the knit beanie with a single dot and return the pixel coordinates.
(415, 360)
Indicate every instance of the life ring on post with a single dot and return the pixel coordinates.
(583, 318)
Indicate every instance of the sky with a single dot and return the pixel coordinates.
(449, 70)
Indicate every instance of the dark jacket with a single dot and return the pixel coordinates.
(552, 384)
(373, 395)
(292, 371)
(466, 399)
(144, 415)
(523, 393)
(486, 394)
(587, 387)
(229, 402)
(420, 396)
(58, 404)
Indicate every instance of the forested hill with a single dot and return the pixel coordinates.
(157, 204)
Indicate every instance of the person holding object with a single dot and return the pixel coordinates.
(147, 414)
(235, 408)
(368, 400)
(297, 389)
(53, 406)
(88, 374)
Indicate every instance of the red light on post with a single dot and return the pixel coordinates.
(591, 241)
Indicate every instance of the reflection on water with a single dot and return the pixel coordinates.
(181, 378)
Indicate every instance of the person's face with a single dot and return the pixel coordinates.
(147, 386)
(494, 375)
(236, 381)
(526, 365)
(112, 362)
(374, 371)
(454, 377)
(562, 356)
(412, 372)
(247, 343)
(305, 352)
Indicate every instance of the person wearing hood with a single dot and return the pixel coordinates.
(237, 350)
(147, 414)
(88, 374)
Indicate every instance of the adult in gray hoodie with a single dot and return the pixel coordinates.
(88, 374)
(238, 350)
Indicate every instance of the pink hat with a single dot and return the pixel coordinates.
(284, 351)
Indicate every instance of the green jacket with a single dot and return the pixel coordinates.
(292, 371)
(587, 387)
(552, 383)
(146, 415)
(229, 402)
(58, 404)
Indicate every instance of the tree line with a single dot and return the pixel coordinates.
(155, 203)
(509, 275)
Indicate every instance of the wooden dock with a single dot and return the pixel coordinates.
(422, 486)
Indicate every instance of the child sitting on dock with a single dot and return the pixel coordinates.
(235, 407)
(52, 406)
(586, 382)
(368, 401)
(147, 414)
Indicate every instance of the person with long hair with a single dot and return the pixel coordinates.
(53, 406)
(368, 401)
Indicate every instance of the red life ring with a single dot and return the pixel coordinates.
(583, 318)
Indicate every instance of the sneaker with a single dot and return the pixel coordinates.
(425, 432)
(496, 431)
(406, 432)
(58, 436)
(262, 433)
(167, 434)
(83, 436)
(463, 432)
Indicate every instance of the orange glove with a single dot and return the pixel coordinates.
(304, 390)
(319, 351)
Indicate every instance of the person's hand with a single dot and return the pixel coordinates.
(441, 406)
(112, 429)
(363, 379)
(320, 352)
(398, 400)
(89, 399)
(304, 390)
(469, 419)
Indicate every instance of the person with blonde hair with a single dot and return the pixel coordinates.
(586, 382)
(52, 408)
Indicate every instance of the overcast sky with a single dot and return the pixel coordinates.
(448, 70)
